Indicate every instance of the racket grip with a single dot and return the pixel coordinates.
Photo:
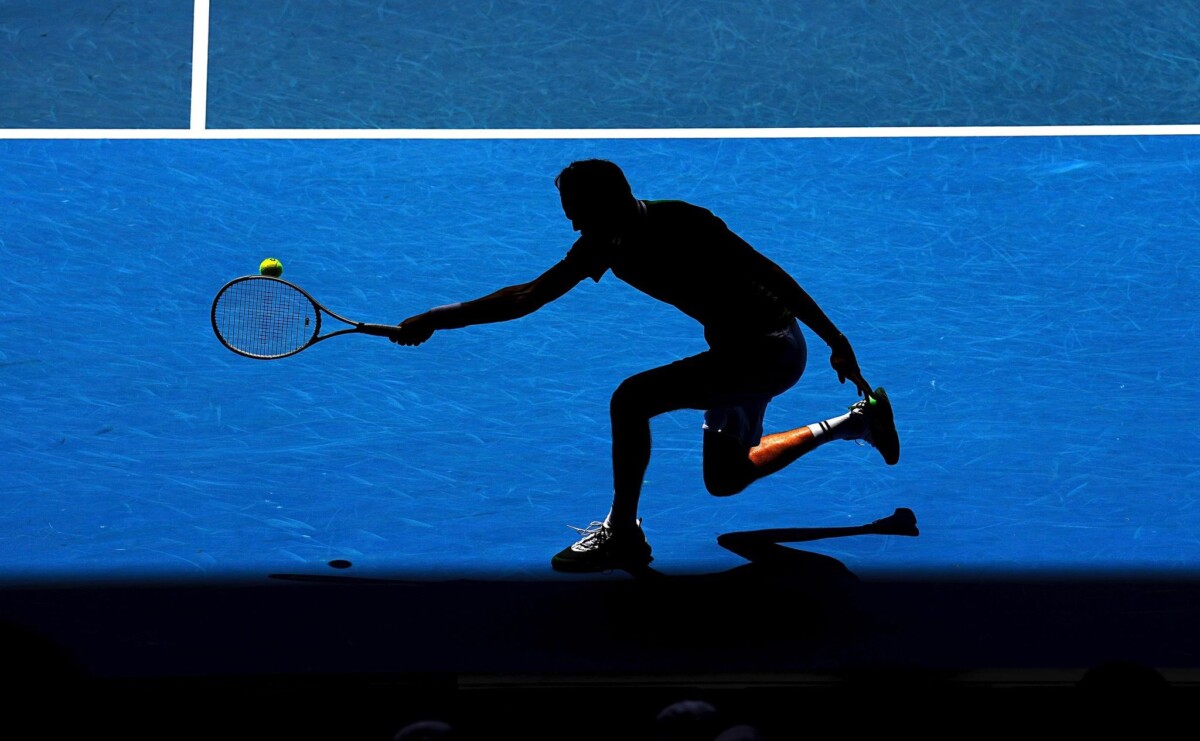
(379, 330)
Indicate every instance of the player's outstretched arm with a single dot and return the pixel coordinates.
(511, 302)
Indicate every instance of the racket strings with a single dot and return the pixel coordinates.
(265, 318)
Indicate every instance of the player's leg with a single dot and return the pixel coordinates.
(732, 462)
(618, 541)
(735, 452)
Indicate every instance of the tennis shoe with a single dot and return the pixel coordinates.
(603, 548)
(879, 425)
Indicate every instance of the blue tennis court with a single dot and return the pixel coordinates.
(1028, 300)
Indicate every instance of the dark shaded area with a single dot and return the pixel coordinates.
(787, 633)
(605, 64)
(602, 64)
(95, 65)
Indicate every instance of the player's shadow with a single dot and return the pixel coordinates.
(767, 557)
(781, 591)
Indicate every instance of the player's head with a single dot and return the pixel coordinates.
(596, 197)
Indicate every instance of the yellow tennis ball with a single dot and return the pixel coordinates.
(271, 267)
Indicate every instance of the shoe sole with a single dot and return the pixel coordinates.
(883, 427)
(568, 565)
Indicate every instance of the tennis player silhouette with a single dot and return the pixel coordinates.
(751, 311)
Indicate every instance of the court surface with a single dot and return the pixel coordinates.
(1028, 302)
(1027, 297)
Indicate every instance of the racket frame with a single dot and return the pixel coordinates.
(379, 330)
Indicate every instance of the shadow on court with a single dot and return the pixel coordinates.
(787, 596)
(767, 557)
(788, 620)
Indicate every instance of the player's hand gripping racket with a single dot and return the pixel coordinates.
(267, 318)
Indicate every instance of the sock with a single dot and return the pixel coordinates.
(846, 427)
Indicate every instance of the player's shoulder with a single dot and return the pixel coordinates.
(673, 206)
(684, 219)
(677, 211)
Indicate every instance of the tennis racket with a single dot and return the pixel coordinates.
(269, 318)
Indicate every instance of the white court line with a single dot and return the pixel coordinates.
(773, 133)
(199, 66)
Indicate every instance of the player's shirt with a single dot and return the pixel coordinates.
(686, 256)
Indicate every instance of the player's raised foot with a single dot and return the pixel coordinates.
(880, 425)
(603, 548)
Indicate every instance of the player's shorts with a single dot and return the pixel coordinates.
(770, 366)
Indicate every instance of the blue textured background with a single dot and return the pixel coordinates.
(1028, 302)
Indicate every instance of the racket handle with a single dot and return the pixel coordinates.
(379, 330)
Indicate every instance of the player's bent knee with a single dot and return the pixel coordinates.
(728, 469)
(628, 400)
(724, 487)
(727, 480)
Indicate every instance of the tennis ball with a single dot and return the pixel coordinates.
(271, 267)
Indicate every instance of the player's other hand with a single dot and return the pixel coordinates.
(413, 331)
(844, 362)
